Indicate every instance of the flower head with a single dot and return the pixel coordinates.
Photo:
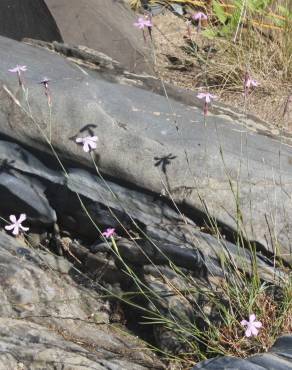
(252, 326)
(45, 81)
(248, 83)
(88, 142)
(16, 226)
(207, 96)
(199, 16)
(251, 83)
(143, 22)
(18, 69)
(108, 232)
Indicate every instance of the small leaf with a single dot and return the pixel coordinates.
(219, 12)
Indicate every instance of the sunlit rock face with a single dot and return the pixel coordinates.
(103, 25)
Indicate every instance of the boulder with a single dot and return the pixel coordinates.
(106, 26)
(163, 238)
(278, 357)
(48, 320)
(179, 239)
(225, 169)
(27, 18)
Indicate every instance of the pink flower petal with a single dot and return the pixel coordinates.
(22, 218)
(199, 16)
(24, 228)
(248, 332)
(201, 95)
(254, 331)
(86, 147)
(15, 230)
(92, 145)
(208, 99)
(12, 218)
(252, 317)
(9, 227)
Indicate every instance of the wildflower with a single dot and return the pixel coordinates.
(208, 98)
(252, 326)
(18, 69)
(16, 224)
(88, 142)
(144, 22)
(199, 17)
(45, 82)
(248, 83)
(108, 232)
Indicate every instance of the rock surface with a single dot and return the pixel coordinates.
(142, 126)
(278, 358)
(27, 18)
(49, 321)
(163, 238)
(103, 25)
(151, 151)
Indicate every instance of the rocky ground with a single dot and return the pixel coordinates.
(74, 297)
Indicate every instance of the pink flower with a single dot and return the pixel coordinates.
(250, 82)
(207, 96)
(45, 82)
(18, 69)
(16, 224)
(199, 16)
(88, 142)
(252, 326)
(143, 22)
(108, 233)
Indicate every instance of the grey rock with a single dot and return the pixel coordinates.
(278, 358)
(28, 346)
(143, 127)
(227, 363)
(41, 304)
(166, 236)
(106, 26)
(21, 159)
(29, 192)
(283, 346)
(28, 18)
